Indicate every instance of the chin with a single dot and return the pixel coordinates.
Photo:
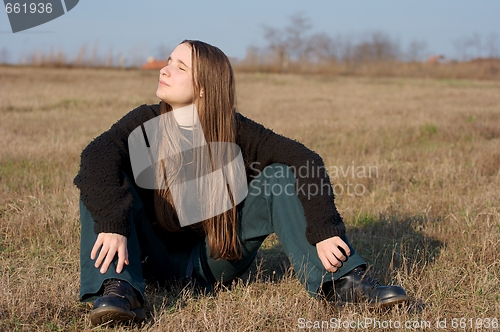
(159, 94)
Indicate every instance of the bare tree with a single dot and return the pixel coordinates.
(278, 45)
(492, 46)
(289, 42)
(417, 51)
(295, 36)
(81, 56)
(4, 55)
(321, 48)
(137, 55)
(468, 47)
(108, 59)
(94, 58)
(252, 57)
(476, 43)
(378, 47)
(163, 52)
(347, 48)
(460, 49)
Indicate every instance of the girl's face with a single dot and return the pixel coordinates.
(175, 86)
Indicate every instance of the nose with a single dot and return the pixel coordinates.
(165, 71)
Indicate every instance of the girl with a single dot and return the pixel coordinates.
(189, 188)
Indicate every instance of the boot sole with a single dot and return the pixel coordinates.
(375, 305)
(389, 302)
(104, 315)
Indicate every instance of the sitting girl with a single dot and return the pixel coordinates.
(189, 189)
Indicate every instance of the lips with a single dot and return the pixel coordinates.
(162, 83)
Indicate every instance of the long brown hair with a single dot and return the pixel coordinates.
(214, 77)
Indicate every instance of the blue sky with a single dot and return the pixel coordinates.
(137, 29)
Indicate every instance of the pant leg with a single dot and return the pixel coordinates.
(91, 279)
(272, 206)
(148, 256)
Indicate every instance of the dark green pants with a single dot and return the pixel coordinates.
(271, 206)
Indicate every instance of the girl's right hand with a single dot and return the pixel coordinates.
(110, 244)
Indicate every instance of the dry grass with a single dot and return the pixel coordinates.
(426, 217)
(481, 69)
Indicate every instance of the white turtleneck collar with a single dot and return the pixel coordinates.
(186, 116)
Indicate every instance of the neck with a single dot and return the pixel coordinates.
(186, 116)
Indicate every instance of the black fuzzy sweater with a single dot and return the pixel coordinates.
(107, 195)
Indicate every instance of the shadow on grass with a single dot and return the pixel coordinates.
(394, 243)
(392, 246)
(387, 244)
(395, 248)
(271, 263)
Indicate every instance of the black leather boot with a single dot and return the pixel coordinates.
(356, 286)
(119, 303)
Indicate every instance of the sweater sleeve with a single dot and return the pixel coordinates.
(262, 147)
(103, 188)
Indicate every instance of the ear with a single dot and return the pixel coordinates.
(201, 93)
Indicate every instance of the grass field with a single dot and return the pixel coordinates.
(416, 164)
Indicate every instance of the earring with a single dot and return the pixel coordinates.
(201, 93)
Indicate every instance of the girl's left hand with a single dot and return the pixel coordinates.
(330, 254)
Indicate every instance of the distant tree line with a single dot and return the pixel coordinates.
(296, 48)
(295, 43)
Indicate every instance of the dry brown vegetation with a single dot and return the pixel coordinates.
(478, 69)
(427, 217)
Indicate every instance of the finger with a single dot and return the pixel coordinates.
(121, 260)
(327, 258)
(334, 261)
(339, 254)
(346, 248)
(107, 261)
(95, 248)
(326, 263)
(332, 269)
(119, 264)
(330, 263)
(102, 255)
(126, 256)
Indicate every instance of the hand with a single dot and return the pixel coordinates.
(110, 244)
(330, 254)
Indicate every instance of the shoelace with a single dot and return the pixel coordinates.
(366, 277)
(112, 287)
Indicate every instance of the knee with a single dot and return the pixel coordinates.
(278, 171)
(275, 179)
